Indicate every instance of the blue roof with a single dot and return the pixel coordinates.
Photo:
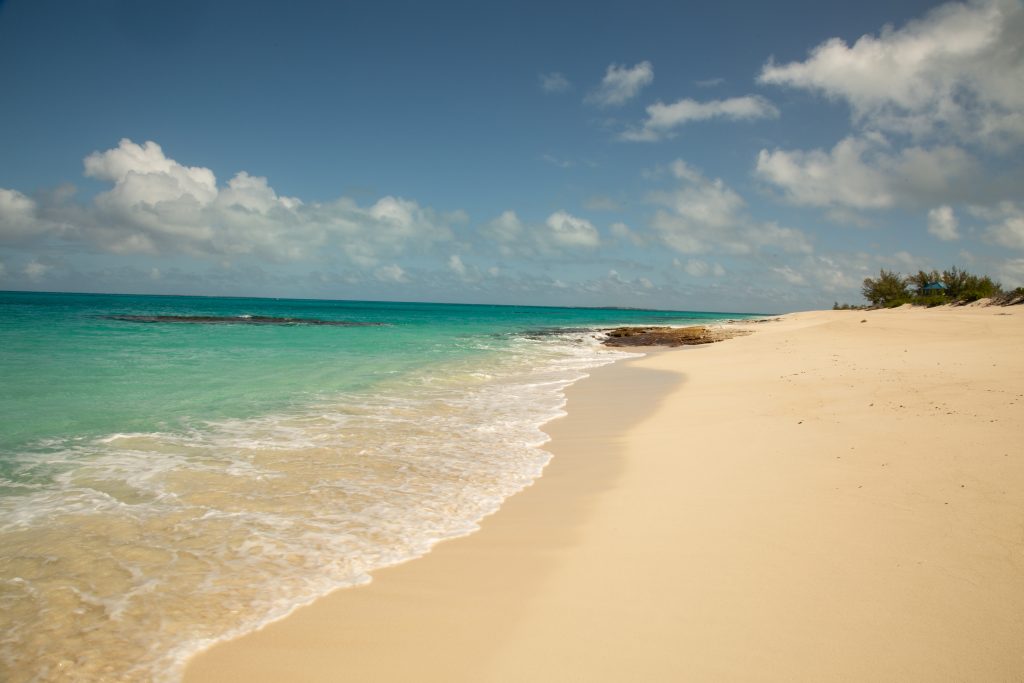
(935, 286)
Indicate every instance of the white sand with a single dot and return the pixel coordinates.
(827, 499)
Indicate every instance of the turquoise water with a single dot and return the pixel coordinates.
(165, 485)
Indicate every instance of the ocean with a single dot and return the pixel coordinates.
(175, 471)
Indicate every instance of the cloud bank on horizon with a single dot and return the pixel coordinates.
(923, 169)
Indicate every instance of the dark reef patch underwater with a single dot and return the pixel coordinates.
(239, 320)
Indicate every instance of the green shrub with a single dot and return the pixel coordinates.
(979, 288)
(889, 288)
(922, 280)
(930, 300)
(955, 280)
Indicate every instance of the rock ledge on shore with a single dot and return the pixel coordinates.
(669, 336)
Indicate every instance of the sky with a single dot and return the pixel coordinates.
(746, 156)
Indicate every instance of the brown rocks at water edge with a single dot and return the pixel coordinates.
(669, 336)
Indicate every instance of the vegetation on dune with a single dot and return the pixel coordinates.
(953, 286)
(889, 289)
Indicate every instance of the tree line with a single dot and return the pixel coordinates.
(956, 286)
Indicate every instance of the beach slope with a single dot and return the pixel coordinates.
(838, 496)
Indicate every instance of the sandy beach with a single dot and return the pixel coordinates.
(836, 497)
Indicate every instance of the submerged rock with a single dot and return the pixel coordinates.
(239, 320)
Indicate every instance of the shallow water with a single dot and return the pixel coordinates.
(164, 486)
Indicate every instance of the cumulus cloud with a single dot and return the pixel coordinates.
(561, 231)
(567, 230)
(391, 273)
(142, 174)
(942, 223)
(467, 272)
(866, 173)
(159, 206)
(507, 231)
(663, 119)
(621, 84)
(456, 265)
(931, 103)
(702, 215)
(554, 82)
(1006, 223)
(956, 72)
(19, 221)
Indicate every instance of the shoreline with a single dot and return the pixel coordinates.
(759, 520)
(457, 576)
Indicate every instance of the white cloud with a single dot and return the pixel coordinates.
(866, 173)
(159, 206)
(709, 82)
(955, 72)
(699, 268)
(1006, 223)
(144, 177)
(704, 215)
(1011, 273)
(789, 275)
(621, 84)
(567, 230)
(698, 209)
(616, 285)
(253, 194)
(663, 119)
(34, 270)
(554, 82)
(561, 230)
(771, 235)
(942, 223)
(466, 273)
(18, 219)
(836, 274)
(506, 230)
(456, 265)
(623, 232)
(699, 206)
(391, 273)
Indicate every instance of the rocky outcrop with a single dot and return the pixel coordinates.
(669, 336)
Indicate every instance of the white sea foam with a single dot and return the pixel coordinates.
(146, 547)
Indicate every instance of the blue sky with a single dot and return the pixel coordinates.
(746, 156)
